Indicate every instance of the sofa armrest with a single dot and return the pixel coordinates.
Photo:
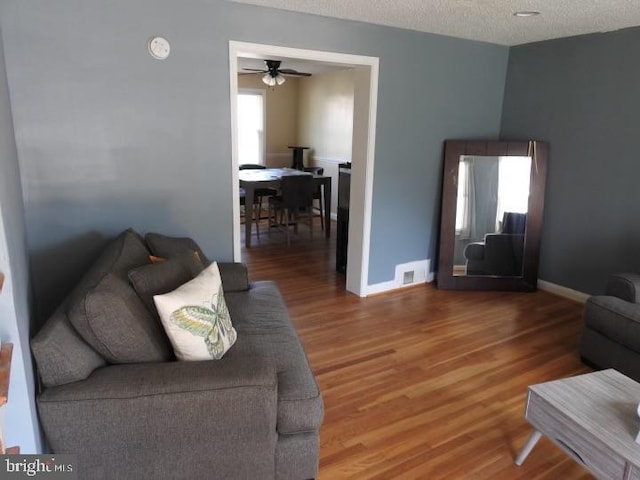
(474, 251)
(235, 277)
(167, 420)
(625, 286)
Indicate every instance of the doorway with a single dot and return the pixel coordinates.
(363, 145)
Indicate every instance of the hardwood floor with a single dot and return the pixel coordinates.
(423, 383)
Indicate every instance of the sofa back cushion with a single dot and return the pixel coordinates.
(108, 314)
(61, 355)
(164, 277)
(119, 326)
(169, 247)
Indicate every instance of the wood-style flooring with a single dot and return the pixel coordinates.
(423, 383)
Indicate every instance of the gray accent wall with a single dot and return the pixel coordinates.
(20, 417)
(582, 95)
(109, 138)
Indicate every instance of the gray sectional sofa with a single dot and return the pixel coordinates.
(611, 335)
(113, 394)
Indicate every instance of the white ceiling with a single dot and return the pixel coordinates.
(484, 20)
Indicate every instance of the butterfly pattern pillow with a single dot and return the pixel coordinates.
(196, 318)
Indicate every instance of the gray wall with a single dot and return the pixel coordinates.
(582, 95)
(20, 413)
(110, 138)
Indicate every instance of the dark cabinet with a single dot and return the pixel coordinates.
(342, 227)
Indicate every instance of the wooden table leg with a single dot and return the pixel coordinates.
(526, 450)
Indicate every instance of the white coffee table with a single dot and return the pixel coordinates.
(593, 418)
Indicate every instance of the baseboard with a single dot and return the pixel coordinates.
(561, 291)
(330, 159)
(422, 273)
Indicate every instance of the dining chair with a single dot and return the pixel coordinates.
(317, 193)
(259, 193)
(296, 197)
(243, 201)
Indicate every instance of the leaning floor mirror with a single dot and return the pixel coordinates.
(492, 205)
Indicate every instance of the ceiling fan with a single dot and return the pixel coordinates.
(274, 74)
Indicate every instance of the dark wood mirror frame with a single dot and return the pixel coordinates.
(539, 153)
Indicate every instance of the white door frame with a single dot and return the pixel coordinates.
(363, 149)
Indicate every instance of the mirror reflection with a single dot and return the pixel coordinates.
(491, 215)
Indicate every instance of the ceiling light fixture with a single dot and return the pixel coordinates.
(526, 14)
(271, 80)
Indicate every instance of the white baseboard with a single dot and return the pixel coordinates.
(381, 288)
(422, 274)
(317, 158)
(561, 291)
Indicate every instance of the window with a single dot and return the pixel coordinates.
(251, 112)
(465, 202)
(514, 175)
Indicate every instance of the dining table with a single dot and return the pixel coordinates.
(250, 180)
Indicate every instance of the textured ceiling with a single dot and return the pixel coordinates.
(485, 20)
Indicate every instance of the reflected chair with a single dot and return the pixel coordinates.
(259, 194)
(296, 197)
(500, 254)
(317, 193)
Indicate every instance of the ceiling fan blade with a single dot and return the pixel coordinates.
(288, 71)
(255, 70)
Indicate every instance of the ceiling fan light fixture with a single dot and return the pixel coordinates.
(268, 79)
(279, 79)
(529, 13)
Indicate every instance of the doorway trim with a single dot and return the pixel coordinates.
(363, 148)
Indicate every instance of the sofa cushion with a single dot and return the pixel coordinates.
(61, 355)
(124, 329)
(260, 308)
(615, 319)
(163, 277)
(234, 276)
(196, 318)
(169, 247)
(108, 314)
(265, 330)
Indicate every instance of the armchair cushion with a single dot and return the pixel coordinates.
(625, 286)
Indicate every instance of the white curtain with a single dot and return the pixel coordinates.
(466, 201)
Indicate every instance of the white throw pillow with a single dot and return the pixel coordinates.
(196, 318)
